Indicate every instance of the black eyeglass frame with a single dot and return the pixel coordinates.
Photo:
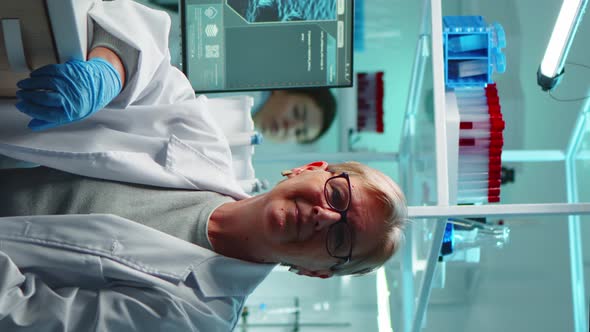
(343, 220)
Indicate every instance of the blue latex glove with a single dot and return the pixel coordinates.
(63, 93)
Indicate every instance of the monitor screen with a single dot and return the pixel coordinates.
(236, 45)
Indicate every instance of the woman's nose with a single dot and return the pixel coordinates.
(325, 217)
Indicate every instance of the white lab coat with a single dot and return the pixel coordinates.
(104, 273)
(112, 270)
(165, 136)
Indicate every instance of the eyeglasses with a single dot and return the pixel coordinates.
(339, 239)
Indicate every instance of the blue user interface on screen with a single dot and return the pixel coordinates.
(232, 45)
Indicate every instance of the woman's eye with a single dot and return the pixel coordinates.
(301, 133)
(337, 193)
(338, 239)
(336, 197)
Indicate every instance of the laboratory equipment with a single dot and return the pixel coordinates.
(472, 50)
(480, 143)
(551, 68)
(370, 91)
(444, 185)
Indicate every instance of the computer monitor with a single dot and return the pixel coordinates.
(239, 45)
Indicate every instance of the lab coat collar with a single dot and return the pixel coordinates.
(140, 249)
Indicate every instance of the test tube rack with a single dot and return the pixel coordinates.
(480, 144)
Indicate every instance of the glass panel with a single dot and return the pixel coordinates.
(287, 302)
(487, 283)
(506, 289)
(418, 180)
(582, 163)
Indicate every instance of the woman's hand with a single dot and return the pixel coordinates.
(58, 94)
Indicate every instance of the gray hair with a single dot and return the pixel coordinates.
(396, 216)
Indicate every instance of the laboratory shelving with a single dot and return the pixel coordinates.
(431, 154)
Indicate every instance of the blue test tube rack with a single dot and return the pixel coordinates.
(472, 51)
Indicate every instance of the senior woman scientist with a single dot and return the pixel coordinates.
(90, 263)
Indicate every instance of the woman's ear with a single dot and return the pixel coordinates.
(314, 166)
(324, 274)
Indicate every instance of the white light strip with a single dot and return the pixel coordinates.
(383, 312)
(562, 36)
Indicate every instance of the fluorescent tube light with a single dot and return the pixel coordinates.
(551, 67)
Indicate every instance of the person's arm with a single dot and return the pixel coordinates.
(138, 35)
(59, 94)
(112, 58)
(29, 303)
(150, 77)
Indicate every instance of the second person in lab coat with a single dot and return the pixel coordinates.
(295, 115)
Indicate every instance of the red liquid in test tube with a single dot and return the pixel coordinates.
(481, 143)
(491, 124)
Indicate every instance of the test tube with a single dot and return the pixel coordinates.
(474, 158)
(494, 115)
(471, 96)
(480, 192)
(480, 134)
(472, 68)
(478, 199)
(471, 200)
(478, 185)
(489, 98)
(478, 176)
(464, 93)
(470, 93)
(467, 42)
(475, 117)
(474, 108)
(492, 124)
(480, 159)
(467, 168)
(491, 195)
(480, 143)
(469, 150)
(468, 102)
(478, 109)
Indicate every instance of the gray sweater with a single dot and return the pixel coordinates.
(45, 191)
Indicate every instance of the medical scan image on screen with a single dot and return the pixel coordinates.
(284, 11)
(236, 45)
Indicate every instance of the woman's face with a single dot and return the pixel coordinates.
(296, 219)
(289, 117)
